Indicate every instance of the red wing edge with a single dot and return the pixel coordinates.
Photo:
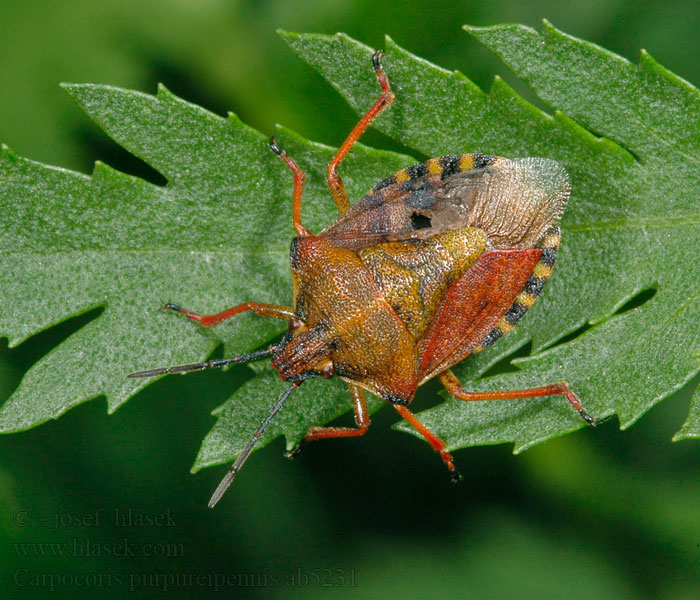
(480, 307)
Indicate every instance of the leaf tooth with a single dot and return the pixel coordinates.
(550, 34)
(648, 64)
(163, 93)
(599, 144)
(8, 154)
(502, 93)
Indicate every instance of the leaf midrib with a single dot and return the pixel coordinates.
(650, 222)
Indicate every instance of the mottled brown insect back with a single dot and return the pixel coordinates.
(349, 320)
(435, 263)
(415, 275)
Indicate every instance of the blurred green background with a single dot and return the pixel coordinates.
(600, 513)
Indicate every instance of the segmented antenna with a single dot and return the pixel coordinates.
(243, 456)
(219, 362)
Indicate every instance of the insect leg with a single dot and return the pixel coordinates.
(451, 383)
(299, 180)
(264, 310)
(362, 420)
(437, 444)
(387, 97)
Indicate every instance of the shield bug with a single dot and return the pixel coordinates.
(433, 264)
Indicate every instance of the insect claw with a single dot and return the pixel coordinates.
(295, 452)
(376, 60)
(455, 476)
(275, 148)
(593, 421)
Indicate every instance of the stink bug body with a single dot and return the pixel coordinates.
(435, 263)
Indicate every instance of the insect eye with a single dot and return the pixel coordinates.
(296, 324)
(327, 370)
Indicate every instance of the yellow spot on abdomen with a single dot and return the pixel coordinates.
(552, 241)
(527, 300)
(504, 325)
(466, 163)
(434, 166)
(402, 175)
(542, 270)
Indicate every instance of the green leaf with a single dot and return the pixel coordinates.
(218, 233)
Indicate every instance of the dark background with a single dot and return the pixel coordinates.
(600, 513)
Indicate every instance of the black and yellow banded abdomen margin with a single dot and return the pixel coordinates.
(531, 290)
(444, 166)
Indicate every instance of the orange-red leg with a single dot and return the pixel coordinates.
(264, 310)
(299, 181)
(437, 444)
(362, 420)
(452, 384)
(387, 97)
